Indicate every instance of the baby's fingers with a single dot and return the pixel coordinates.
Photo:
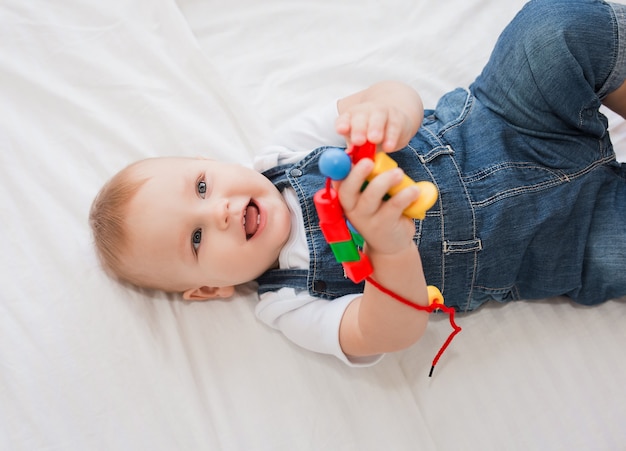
(376, 124)
(403, 199)
(352, 126)
(342, 124)
(368, 201)
(394, 129)
(350, 188)
(392, 136)
(362, 124)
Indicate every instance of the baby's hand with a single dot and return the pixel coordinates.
(387, 114)
(381, 223)
(377, 123)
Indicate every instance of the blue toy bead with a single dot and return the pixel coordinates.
(335, 164)
(351, 227)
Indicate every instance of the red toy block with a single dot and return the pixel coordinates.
(328, 207)
(335, 232)
(359, 270)
(367, 150)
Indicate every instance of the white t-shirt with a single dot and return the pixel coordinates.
(308, 321)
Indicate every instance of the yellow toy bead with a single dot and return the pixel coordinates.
(434, 295)
(427, 198)
(382, 163)
(428, 191)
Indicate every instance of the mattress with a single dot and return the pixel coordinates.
(87, 364)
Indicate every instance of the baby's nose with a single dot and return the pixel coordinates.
(220, 212)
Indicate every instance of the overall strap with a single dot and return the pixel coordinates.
(275, 279)
(278, 176)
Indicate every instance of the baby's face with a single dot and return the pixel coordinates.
(198, 222)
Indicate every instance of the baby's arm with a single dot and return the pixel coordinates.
(388, 114)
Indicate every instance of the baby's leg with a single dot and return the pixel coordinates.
(617, 100)
(603, 275)
(555, 64)
(550, 72)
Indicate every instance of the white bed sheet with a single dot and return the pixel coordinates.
(89, 86)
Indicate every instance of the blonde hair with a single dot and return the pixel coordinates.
(108, 224)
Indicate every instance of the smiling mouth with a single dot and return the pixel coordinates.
(251, 219)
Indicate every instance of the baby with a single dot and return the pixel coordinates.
(531, 198)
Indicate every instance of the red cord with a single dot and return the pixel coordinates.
(430, 308)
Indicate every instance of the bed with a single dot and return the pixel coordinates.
(86, 364)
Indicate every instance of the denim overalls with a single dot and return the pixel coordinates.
(532, 203)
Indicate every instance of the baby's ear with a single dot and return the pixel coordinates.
(205, 293)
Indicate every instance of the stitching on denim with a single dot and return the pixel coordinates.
(512, 290)
(503, 289)
(313, 260)
(560, 179)
(310, 244)
(618, 16)
(486, 172)
(417, 236)
(473, 213)
(461, 247)
(440, 213)
(465, 112)
(434, 153)
(434, 139)
(443, 149)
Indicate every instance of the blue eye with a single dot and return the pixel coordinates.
(201, 188)
(196, 238)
